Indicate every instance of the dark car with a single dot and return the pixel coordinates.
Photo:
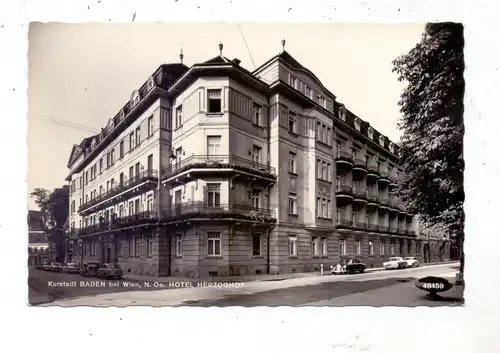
(89, 269)
(46, 266)
(110, 271)
(349, 266)
(56, 267)
(71, 268)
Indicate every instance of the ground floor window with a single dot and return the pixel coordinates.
(357, 247)
(342, 247)
(136, 246)
(130, 246)
(324, 246)
(256, 245)
(393, 246)
(370, 247)
(149, 245)
(382, 247)
(178, 244)
(314, 246)
(292, 245)
(214, 244)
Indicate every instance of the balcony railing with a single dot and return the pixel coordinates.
(344, 156)
(120, 222)
(373, 196)
(371, 227)
(344, 189)
(204, 210)
(147, 175)
(359, 192)
(373, 168)
(218, 161)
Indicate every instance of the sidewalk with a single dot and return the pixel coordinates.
(254, 278)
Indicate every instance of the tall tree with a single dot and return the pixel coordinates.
(433, 127)
(55, 206)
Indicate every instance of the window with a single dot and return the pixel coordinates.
(149, 245)
(150, 162)
(137, 168)
(257, 118)
(324, 246)
(321, 101)
(213, 145)
(131, 173)
(256, 154)
(324, 171)
(292, 204)
(121, 212)
(214, 101)
(213, 194)
(370, 247)
(292, 162)
(357, 247)
(342, 247)
(149, 203)
(292, 245)
(130, 246)
(178, 117)
(100, 165)
(122, 178)
(292, 122)
(314, 246)
(164, 119)
(137, 136)
(101, 188)
(112, 156)
(178, 244)
(151, 126)
(178, 155)
(256, 245)
(308, 92)
(73, 206)
(131, 208)
(392, 248)
(256, 198)
(382, 247)
(318, 168)
(213, 244)
(323, 207)
(136, 246)
(293, 81)
(131, 140)
(329, 172)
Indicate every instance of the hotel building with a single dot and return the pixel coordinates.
(213, 170)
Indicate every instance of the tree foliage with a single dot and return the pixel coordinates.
(55, 207)
(433, 127)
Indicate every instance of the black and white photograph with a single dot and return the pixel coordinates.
(229, 164)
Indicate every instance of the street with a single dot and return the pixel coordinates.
(373, 288)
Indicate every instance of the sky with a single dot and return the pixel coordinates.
(80, 75)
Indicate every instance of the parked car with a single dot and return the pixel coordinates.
(394, 263)
(39, 265)
(411, 261)
(46, 266)
(348, 266)
(110, 271)
(72, 267)
(56, 267)
(89, 269)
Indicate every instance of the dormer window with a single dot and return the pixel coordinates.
(342, 112)
(111, 125)
(370, 132)
(381, 140)
(391, 147)
(135, 98)
(357, 123)
(151, 83)
(94, 143)
(121, 115)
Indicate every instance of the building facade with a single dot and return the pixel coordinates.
(38, 245)
(213, 170)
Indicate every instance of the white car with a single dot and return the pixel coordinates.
(411, 261)
(394, 263)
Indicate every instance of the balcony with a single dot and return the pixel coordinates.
(205, 164)
(384, 229)
(393, 179)
(360, 195)
(343, 223)
(384, 202)
(384, 176)
(105, 226)
(148, 180)
(344, 158)
(373, 197)
(200, 210)
(359, 166)
(372, 227)
(373, 170)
